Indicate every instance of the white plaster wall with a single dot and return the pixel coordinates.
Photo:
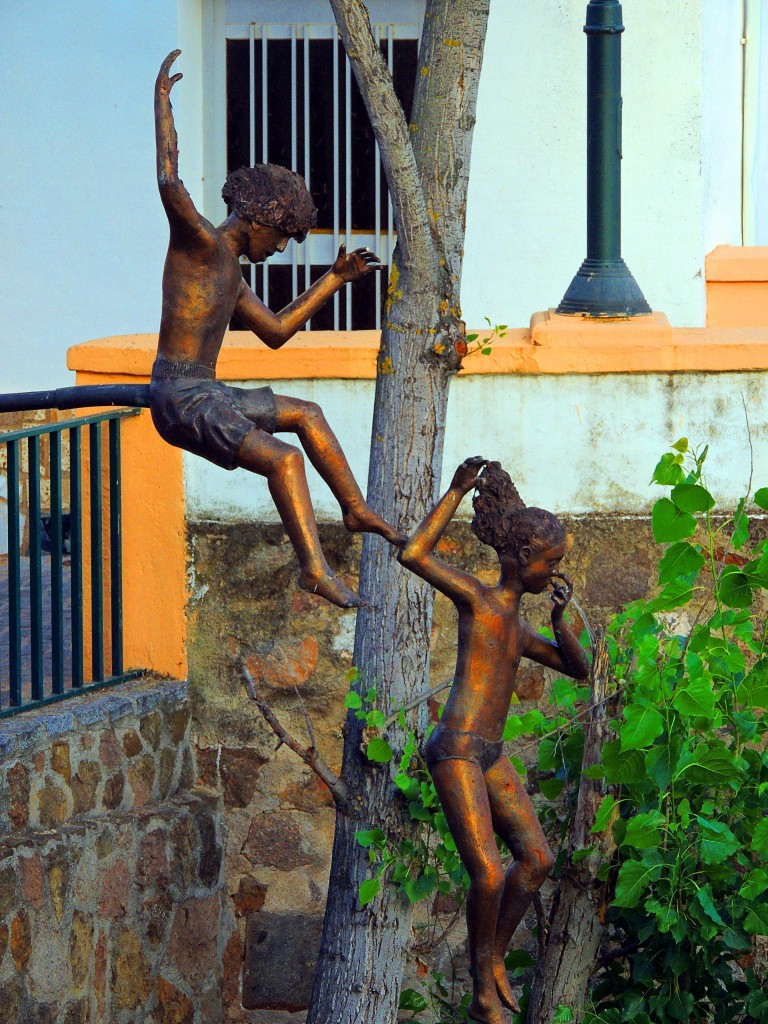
(82, 233)
(526, 232)
(721, 142)
(577, 443)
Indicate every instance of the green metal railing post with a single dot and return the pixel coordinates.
(35, 570)
(76, 561)
(97, 555)
(14, 576)
(115, 548)
(604, 286)
(57, 578)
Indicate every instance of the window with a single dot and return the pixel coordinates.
(291, 98)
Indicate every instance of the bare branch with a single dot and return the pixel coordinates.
(307, 720)
(409, 208)
(309, 755)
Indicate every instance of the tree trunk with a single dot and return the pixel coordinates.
(359, 968)
(577, 919)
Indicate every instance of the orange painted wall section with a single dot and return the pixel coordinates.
(154, 542)
(737, 286)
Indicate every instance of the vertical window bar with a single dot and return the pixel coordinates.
(97, 569)
(115, 548)
(390, 221)
(76, 560)
(348, 178)
(294, 153)
(252, 95)
(308, 243)
(57, 579)
(336, 181)
(377, 207)
(14, 576)
(265, 132)
(35, 571)
(252, 121)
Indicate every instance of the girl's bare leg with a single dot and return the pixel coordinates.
(461, 788)
(514, 819)
(306, 420)
(283, 466)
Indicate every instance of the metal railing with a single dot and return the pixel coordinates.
(61, 613)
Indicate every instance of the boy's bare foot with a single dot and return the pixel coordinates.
(365, 520)
(330, 587)
(503, 987)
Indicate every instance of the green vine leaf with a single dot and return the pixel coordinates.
(643, 724)
(634, 878)
(692, 498)
(671, 523)
(379, 750)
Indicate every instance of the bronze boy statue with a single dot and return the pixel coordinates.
(202, 287)
(480, 791)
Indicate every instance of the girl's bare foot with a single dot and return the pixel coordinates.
(503, 988)
(326, 585)
(486, 1010)
(365, 520)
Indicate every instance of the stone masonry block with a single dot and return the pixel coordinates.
(280, 957)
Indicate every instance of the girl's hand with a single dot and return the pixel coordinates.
(465, 477)
(562, 593)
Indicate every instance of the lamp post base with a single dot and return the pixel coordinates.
(604, 288)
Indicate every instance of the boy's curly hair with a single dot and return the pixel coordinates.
(502, 519)
(273, 196)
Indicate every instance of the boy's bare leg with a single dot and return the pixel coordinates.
(283, 466)
(515, 820)
(306, 420)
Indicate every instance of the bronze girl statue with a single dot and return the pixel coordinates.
(480, 791)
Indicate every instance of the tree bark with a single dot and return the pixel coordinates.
(360, 964)
(577, 918)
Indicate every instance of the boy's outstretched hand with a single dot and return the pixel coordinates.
(465, 477)
(354, 265)
(164, 84)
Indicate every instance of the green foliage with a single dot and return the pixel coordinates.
(691, 870)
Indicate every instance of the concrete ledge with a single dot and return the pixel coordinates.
(737, 286)
(737, 263)
(552, 345)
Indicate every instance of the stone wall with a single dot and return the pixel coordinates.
(111, 904)
(279, 818)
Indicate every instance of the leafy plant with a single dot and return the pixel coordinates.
(485, 346)
(690, 756)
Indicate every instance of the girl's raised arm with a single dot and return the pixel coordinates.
(418, 556)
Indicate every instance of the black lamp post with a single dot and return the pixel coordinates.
(604, 286)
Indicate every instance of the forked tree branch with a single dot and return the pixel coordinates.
(309, 755)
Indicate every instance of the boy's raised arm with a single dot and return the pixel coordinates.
(176, 200)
